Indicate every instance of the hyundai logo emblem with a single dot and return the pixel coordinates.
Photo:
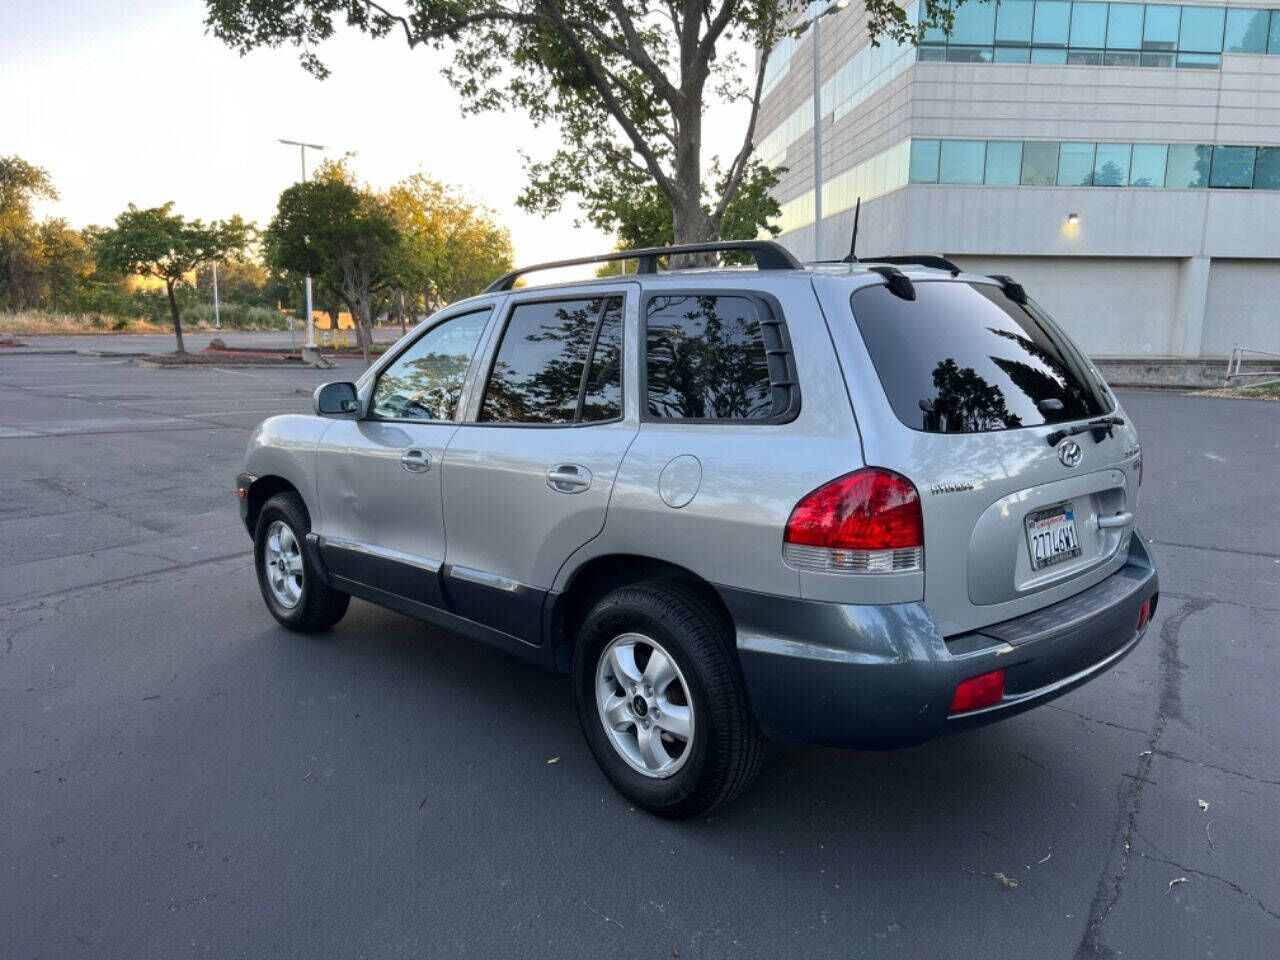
(1070, 453)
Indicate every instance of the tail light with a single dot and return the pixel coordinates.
(1144, 614)
(984, 690)
(868, 521)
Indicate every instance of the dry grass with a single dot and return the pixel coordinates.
(33, 323)
(1266, 391)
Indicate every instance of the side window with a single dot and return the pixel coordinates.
(716, 358)
(425, 382)
(558, 362)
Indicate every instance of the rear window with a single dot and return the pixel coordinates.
(964, 358)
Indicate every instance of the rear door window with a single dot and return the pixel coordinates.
(964, 358)
(541, 372)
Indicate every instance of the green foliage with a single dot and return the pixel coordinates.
(626, 83)
(156, 242)
(21, 266)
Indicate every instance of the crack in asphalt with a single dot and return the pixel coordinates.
(1131, 789)
(1213, 876)
(1105, 723)
(1201, 546)
(1169, 755)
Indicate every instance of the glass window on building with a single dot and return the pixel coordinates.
(1052, 23)
(1013, 54)
(975, 25)
(962, 161)
(924, 161)
(1088, 58)
(1156, 59)
(1013, 23)
(1048, 55)
(1232, 167)
(1266, 170)
(1201, 30)
(968, 54)
(1246, 31)
(1147, 166)
(1124, 26)
(1089, 25)
(1111, 165)
(1004, 162)
(1273, 38)
(1199, 61)
(1121, 58)
(1160, 27)
(1039, 163)
(1075, 165)
(1188, 165)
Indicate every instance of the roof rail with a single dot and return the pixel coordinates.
(1011, 287)
(769, 256)
(919, 260)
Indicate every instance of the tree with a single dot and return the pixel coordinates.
(21, 185)
(627, 81)
(159, 243)
(450, 248)
(341, 234)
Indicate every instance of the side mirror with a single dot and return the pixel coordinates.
(336, 400)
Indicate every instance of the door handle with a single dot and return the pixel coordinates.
(416, 461)
(1119, 520)
(568, 478)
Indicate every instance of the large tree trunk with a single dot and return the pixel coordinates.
(403, 328)
(173, 312)
(365, 322)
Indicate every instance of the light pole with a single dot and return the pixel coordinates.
(217, 319)
(815, 20)
(310, 345)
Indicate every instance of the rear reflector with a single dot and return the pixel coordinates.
(1144, 614)
(241, 492)
(978, 692)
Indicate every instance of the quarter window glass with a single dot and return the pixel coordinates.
(1266, 172)
(705, 359)
(1188, 165)
(602, 399)
(1147, 168)
(1111, 165)
(964, 358)
(1013, 22)
(1004, 162)
(1053, 19)
(1246, 31)
(1124, 26)
(537, 373)
(425, 382)
(1040, 163)
(1088, 25)
(1160, 28)
(1232, 167)
(1075, 165)
(924, 161)
(962, 161)
(1201, 29)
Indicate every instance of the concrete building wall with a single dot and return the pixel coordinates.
(1188, 272)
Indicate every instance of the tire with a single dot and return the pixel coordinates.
(314, 606)
(725, 748)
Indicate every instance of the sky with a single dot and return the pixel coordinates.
(130, 101)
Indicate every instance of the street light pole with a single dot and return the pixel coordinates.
(310, 345)
(815, 21)
(817, 137)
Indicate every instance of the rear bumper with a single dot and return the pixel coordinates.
(882, 676)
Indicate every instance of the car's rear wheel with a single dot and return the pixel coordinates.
(662, 702)
(288, 580)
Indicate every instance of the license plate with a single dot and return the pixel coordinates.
(1051, 536)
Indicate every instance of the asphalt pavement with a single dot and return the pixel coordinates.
(180, 777)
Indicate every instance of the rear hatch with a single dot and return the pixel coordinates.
(969, 394)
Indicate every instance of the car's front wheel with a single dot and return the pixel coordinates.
(292, 590)
(662, 702)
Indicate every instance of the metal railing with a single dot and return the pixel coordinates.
(1236, 363)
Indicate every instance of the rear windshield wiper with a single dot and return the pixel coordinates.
(1100, 428)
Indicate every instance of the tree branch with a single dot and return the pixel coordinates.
(739, 165)
(637, 53)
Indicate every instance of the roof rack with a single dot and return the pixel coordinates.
(769, 256)
(919, 260)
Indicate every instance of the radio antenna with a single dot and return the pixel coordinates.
(853, 241)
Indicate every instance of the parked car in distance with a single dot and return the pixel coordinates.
(857, 504)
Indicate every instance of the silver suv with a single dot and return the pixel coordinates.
(857, 504)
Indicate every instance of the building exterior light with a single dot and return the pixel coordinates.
(1073, 218)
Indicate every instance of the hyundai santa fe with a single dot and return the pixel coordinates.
(858, 504)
